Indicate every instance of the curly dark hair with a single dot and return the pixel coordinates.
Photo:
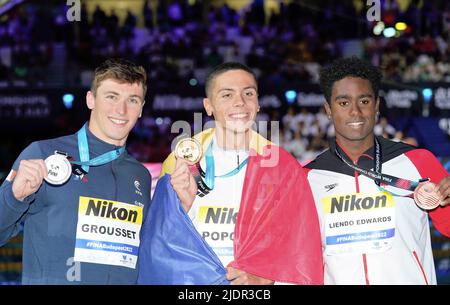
(348, 67)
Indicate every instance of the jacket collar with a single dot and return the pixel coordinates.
(257, 142)
(98, 146)
(366, 155)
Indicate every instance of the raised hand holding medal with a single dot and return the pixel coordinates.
(426, 196)
(186, 178)
(28, 178)
(58, 169)
(443, 189)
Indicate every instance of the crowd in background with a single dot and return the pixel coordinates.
(178, 42)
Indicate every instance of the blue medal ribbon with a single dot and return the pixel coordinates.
(83, 148)
(210, 169)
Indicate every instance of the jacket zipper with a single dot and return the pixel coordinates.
(115, 180)
(115, 198)
(364, 256)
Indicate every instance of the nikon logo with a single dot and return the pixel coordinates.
(352, 203)
(221, 215)
(106, 209)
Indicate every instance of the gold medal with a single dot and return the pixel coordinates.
(189, 149)
(425, 196)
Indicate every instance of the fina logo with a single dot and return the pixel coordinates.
(137, 185)
(126, 260)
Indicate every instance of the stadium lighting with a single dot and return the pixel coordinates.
(290, 96)
(389, 32)
(193, 82)
(68, 100)
(378, 28)
(400, 26)
(427, 93)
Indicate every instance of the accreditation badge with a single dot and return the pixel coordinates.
(58, 169)
(215, 223)
(108, 232)
(358, 223)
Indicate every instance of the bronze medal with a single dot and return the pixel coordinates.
(425, 196)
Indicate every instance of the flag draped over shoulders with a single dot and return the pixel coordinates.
(171, 250)
(276, 235)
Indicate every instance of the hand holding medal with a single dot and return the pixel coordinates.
(184, 179)
(443, 189)
(426, 196)
(28, 178)
(55, 170)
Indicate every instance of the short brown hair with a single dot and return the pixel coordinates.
(121, 70)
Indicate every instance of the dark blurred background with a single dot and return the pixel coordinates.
(48, 50)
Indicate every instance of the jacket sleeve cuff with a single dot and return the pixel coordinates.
(17, 205)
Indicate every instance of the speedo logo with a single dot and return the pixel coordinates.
(357, 202)
(329, 187)
(108, 209)
(218, 215)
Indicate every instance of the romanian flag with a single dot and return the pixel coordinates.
(276, 236)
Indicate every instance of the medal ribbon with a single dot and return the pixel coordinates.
(377, 176)
(83, 148)
(210, 169)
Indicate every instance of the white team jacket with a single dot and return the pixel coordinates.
(395, 248)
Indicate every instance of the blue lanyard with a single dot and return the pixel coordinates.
(83, 147)
(210, 169)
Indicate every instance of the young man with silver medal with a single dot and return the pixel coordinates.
(81, 197)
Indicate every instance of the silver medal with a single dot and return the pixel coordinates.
(58, 169)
